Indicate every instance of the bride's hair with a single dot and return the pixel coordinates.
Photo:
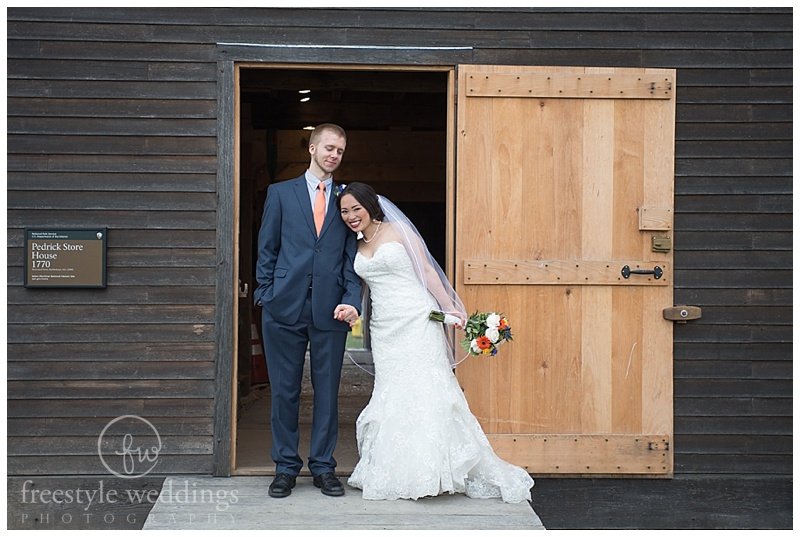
(366, 196)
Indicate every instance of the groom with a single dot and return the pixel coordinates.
(309, 293)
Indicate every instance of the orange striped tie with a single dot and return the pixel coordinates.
(319, 207)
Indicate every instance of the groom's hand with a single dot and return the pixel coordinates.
(345, 313)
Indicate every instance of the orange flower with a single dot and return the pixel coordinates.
(503, 324)
(484, 342)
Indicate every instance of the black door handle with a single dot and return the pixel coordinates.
(657, 272)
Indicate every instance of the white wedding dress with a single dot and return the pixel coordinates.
(417, 436)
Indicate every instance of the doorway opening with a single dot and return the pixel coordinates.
(397, 124)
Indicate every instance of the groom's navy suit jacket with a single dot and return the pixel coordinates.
(292, 259)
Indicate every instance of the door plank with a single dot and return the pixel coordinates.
(597, 243)
(561, 272)
(626, 357)
(596, 346)
(659, 167)
(579, 85)
(586, 454)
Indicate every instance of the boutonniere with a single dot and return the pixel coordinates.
(338, 189)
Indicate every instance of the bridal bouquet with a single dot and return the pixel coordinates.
(484, 331)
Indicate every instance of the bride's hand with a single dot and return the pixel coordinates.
(455, 320)
(345, 313)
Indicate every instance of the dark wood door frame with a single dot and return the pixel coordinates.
(277, 56)
(226, 296)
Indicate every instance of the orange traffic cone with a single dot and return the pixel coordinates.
(258, 364)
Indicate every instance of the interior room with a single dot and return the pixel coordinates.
(396, 124)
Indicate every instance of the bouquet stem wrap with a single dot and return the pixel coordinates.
(444, 318)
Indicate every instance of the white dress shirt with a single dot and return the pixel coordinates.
(312, 181)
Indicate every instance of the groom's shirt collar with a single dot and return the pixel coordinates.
(312, 181)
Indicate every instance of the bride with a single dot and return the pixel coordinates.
(417, 436)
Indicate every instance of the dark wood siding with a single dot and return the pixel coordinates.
(112, 122)
(121, 135)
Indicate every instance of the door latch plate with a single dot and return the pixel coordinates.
(681, 314)
(662, 244)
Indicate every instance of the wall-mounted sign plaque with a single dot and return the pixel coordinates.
(65, 257)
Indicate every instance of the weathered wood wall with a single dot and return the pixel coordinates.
(112, 122)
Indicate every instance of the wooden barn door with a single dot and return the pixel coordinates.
(564, 194)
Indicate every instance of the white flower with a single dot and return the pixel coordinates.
(493, 334)
(493, 320)
(473, 346)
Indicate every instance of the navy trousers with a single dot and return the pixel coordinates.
(285, 350)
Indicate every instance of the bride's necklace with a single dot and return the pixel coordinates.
(374, 234)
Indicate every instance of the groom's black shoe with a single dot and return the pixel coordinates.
(329, 483)
(282, 485)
